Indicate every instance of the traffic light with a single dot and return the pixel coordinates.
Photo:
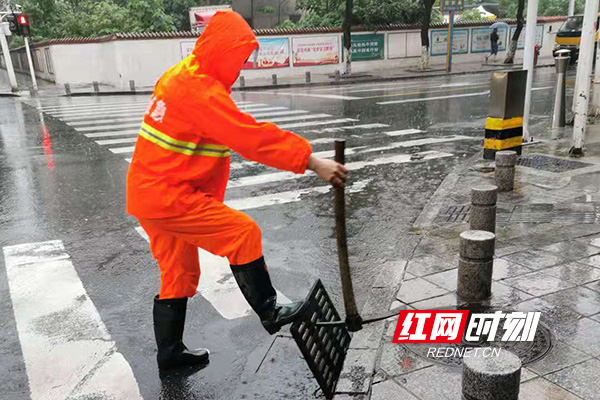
(12, 23)
(18, 24)
(23, 24)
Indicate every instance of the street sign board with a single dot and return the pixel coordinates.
(452, 5)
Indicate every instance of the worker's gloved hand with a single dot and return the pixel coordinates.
(328, 170)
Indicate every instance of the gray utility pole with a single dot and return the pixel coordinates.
(7, 59)
(530, 36)
(584, 71)
(571, 8)
(31, 70)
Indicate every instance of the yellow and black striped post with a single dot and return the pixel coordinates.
(504, 125)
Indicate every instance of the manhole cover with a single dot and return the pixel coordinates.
(550, 164)
(461, 213)
(528, 352)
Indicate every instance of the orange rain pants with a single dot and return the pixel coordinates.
(212, 226)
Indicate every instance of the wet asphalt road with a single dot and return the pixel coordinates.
(63, 178)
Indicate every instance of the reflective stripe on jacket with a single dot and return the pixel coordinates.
(191, 124)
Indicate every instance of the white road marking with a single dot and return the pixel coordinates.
(137, 118)
(262, 110)
(322, 96)
(251, 106)
(122, 150)
(317, 123)
(96, 112)
(403, 132)
(101, 128)
(104, 114)
(278, 113)
(92, 105)
(67, 349)
(543, 88)
(129, 160)
(218, 286)
(349, 127)
(116, 141)
(133, 132)
(299, 118)
(458, 84)
(418, 142)
(434, 98)
(287, 197)
(285, 176)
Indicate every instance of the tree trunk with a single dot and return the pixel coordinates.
(510, 56)
(425, 21)
(347, 28)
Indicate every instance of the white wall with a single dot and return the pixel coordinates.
(117, 62)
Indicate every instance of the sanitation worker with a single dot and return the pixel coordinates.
(178, 175)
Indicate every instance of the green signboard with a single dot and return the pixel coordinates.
(367, 47)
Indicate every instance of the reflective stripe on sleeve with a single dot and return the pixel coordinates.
(179, 146)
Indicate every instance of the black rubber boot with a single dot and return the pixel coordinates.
(169, 320)
(255, 283)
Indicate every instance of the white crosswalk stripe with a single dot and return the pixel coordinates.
(67, 349)
(218, 286)
(115, 126)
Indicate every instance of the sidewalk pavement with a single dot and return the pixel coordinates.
(49, 89)
(547, 259)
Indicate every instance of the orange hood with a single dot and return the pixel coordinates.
(224, 46)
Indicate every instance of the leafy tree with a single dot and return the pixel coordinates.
(510, 55)
(472, 14)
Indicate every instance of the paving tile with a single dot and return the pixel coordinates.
(583, 300)
(396, 360)
(433, 383)
(408, 276)
(581, 379)
(504, 268)
(572, 250)
(446, 279)
(447, 300)
(595, 286)
(583, 334)
(390, 274)
(427, 265)
(555, 316)
(504, 250)
(504, 295)
(418, 289)
(538, 283)
(369, 337)
(358, 369)
(596, 317)
(561, 356)
(535, 259)
(593, 240)
(527, 375)
(593, 261)
(390, 390)
(574, 272)
(541, 389)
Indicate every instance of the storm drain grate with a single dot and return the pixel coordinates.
(550, 164)
(583, 213)
(461, 213)
(324, 347)
(528, 352)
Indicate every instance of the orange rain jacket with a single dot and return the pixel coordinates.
(182, 151)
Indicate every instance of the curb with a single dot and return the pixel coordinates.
(9, 94)
(341, 82)
(377, 79)
(365, 346)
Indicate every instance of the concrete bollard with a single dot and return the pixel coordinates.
(96, 87)
(338, 76)
(475, 265)
(505, 170)
(274, 77)
(307, 76)
(242, 81)
(67, 89)
(491, 377)
(132, 85)
(483, 208)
